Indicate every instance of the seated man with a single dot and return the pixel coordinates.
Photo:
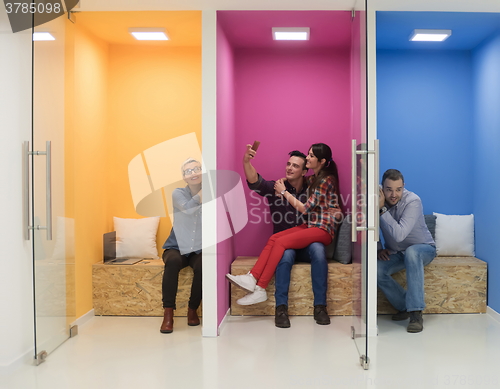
(408, 245)
(284, 216)
(183, 246)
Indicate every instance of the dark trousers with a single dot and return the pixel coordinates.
(174, 262)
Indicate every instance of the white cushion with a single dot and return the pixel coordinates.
(454, 235)
(136, 238)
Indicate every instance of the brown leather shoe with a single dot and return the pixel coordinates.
(167, 326)
(193, 319)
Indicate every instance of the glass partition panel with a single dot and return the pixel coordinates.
(359, 182)
(53, 235)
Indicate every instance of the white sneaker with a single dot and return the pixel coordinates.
(244, 281)
(258, 296)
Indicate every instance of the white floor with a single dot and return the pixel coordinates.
(453, 351)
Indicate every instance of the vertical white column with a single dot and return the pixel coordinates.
(16, 287)
(209, 151)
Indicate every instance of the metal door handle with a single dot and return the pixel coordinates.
(354, 195)
(48, 189)
(376, 212)
(355, 228)
(26, 190)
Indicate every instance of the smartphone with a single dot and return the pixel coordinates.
(255, 145)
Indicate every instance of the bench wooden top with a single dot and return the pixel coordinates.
(250, 261)
(143, 263)
(438, 261)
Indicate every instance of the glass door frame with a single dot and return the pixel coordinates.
(365, 172)
(51, 230)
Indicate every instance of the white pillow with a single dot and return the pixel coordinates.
(136, 238)
(454, 235)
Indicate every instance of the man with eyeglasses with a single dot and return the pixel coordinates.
(183, 246)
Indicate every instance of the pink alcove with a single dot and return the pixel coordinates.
(287, 95)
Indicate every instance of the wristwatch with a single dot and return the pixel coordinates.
(283, 192)
(383, 210)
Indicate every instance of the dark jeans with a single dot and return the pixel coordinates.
(174, 262)
(315, 255)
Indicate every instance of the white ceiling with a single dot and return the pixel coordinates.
(136, 5)
(383, 5)
(435, 5)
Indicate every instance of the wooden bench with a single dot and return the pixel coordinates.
(300, 295)
(452, 285)
(135, 290)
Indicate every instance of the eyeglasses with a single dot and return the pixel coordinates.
(188, 172)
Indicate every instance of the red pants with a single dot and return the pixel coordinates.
(293, 238)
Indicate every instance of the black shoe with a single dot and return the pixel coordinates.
(401, 315)
(321, 315)
(281, 317)
(416, 322)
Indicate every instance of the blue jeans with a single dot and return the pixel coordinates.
(413, 259)
(313, 254)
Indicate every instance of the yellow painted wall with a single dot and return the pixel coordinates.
(69, 142)
(154, 96)
(91, 138)
(128, 98)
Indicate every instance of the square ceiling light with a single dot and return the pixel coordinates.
(149, 34)
(291, 33)
(43, 36)
(429, 35)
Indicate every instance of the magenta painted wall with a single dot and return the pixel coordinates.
(289, 99)
(358, 78)
(287, 95)
(358, 119)
(225, 157)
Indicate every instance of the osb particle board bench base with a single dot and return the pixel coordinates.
(452, 285)
(135, 290)
(300, 295)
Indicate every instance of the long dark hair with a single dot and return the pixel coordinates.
(322, 151)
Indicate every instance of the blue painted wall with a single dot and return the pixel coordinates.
(486, 179)
(439, 123)
(425, 124)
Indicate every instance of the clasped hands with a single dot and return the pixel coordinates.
(279, 186)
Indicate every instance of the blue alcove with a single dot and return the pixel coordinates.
(438, 118)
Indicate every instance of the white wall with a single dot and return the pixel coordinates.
(210, 322)
(16, 293)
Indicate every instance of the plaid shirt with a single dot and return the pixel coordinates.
(322, 206)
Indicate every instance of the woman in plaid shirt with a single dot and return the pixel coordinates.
(322, 210)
